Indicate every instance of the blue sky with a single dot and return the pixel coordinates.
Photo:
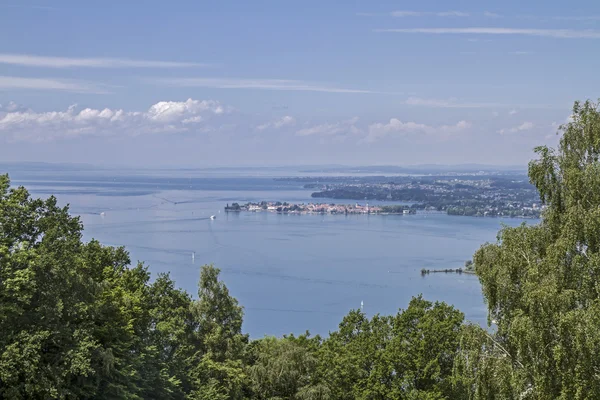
(201, 83)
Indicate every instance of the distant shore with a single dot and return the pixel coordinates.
(319, 208)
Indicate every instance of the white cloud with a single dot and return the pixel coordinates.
(14, 82)
(343, 127)
(397, 127)
(377, 131)
(490, 14)
(67, 62)
(169, 111)
(525, 126)
(277, 123)
(445, 103)
(192, 120)
(455, 103)
(11, 106)
(162, 117)
(577, 18)
(452, 14)
(561, 17)
(263, 84)
(495, 114)
(513, 112)
(402, 14)
(553, 33)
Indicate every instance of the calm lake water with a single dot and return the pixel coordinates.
(291, 273)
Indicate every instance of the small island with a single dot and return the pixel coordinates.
(320, 208)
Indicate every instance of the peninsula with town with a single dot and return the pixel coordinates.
(488, 193)
(481, 194)
(319, 208)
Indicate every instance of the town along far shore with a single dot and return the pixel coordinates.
(319, 208)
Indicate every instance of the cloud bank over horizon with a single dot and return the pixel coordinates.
(21, 124)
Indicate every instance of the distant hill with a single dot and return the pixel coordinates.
(419, 169)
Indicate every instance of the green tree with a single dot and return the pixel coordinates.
(349, 355)
(408, 356)
(285, 369)
(171, 341)
(217, 365)
(425, 340)
(72, 316)
(75, 320)
(541, 282)
(44, 344)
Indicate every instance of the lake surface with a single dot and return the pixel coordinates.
(291, 273)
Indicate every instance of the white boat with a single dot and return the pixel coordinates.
(213, 217)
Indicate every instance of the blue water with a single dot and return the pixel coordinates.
(291, 273)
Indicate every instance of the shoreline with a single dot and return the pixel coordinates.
(349, 209)
(314, 212)
(320, 208)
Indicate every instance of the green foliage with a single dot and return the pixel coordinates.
(469, 266)
(233, 207)
(284, 368)
(395, 209)
(407, 356)
(77, 322)
(217, 369)
(541, 282)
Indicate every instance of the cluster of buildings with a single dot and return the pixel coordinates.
(310, 208)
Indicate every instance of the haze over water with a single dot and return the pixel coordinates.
(291, 273)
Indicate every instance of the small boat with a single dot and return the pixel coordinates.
(213, 217)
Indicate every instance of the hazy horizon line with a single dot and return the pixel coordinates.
(271, 166)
